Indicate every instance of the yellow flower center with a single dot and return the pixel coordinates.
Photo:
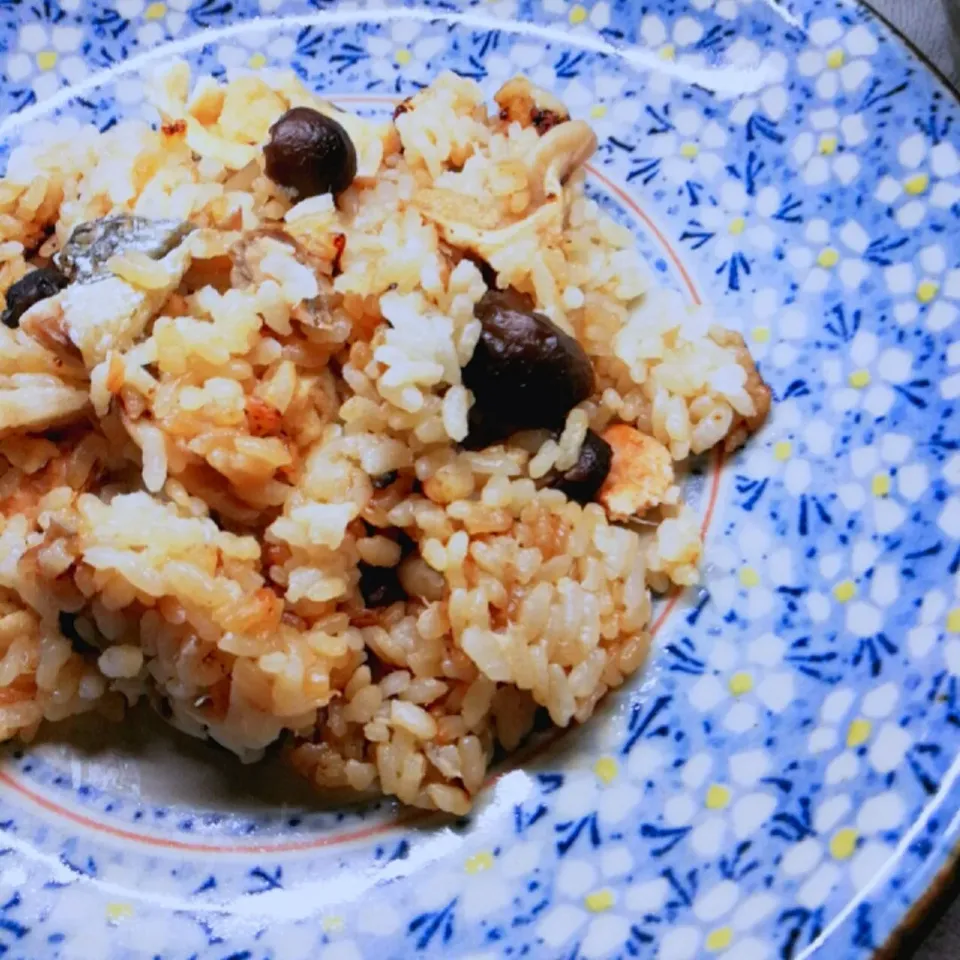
(718, 797)
(689, 150)
(403, 56)
(927, 291)
(782, 450)
(599, 900)
(719, 939)
(155, 11)
(858, 732)
(828, 145)
(828, 258)
(479, 862)
(845, 591)
(737, 226)
(917, 184)
(843, 843)
(859, 379)
(880, 485)
(47, 59)
(667, 52)
(578, 14)
(953, 620)
(835, 58)
(118, 911)
(749, 577)
(761, 334)
(606, 769)
(740, 683)
(256, 61)
(598, 111)
(332, 924)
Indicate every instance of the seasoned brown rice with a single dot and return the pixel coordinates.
(203, 450)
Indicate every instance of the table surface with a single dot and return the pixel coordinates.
(925, 23)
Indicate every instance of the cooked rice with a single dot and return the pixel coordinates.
(195, 448)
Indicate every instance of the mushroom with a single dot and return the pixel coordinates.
(465, 222)
(484, 241)
(522, 102)
(560, 152)
(448, 208)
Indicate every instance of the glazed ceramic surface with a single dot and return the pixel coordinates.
(783, 776)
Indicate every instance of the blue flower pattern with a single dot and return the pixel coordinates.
(820, 659)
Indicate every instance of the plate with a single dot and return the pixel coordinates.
(783, 777)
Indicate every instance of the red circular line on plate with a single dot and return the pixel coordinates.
(413, 816)
(166, 843)
(654, 229)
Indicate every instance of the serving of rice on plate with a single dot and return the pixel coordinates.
(376, 465)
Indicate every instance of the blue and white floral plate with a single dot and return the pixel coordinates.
(785, 777)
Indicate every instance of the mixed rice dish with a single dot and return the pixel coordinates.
(362, 439)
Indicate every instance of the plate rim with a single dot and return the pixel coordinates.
(933, 876)
(942, 888)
